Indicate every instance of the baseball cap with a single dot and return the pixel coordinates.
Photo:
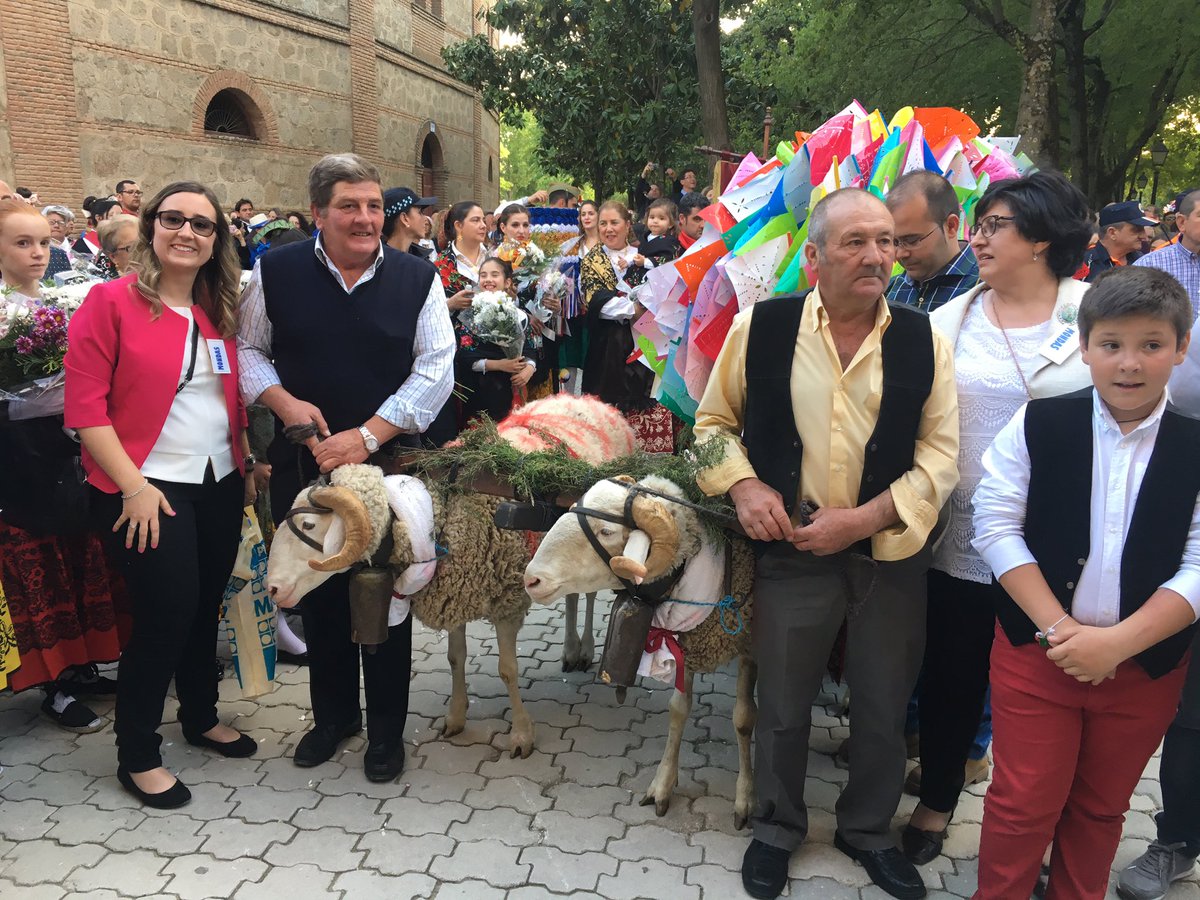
(1127, 211)
(397, 200)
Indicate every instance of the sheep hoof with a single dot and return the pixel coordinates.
(521, 747)
(660, 806)
(740, 820)
(451, 729)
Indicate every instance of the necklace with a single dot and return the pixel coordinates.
(1127, 421)
(1012, 354)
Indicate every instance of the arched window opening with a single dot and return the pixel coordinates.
(232, 112)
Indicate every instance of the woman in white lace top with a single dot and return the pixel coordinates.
(1015, 338)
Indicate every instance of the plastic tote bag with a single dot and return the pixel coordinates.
(248, 613)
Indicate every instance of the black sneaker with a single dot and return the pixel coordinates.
(71, 714)
(87, 681)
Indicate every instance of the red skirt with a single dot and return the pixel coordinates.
(68, 603)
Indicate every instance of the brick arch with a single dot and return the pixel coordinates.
(429, 135)
(257, 106)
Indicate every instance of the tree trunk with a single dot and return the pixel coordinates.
(1077, 100)
(1033, 115)
(714, 118)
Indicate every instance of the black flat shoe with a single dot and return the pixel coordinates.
(296, 659)
(172, 798)
(920, 846)
(384, 760)
(765, 870)
(322, 741)
(888, 868)
(244, 746)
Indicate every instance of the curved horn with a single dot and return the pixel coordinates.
(354, 516)
(653, 517)
(624, 479)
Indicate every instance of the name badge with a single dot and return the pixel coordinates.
(1061, 344)
(219, 357)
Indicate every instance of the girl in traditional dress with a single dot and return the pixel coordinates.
(68, 607)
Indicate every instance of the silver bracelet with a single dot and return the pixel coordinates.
(145, 484)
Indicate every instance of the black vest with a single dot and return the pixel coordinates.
(345, 353)
(1058, 432)
(772, 442)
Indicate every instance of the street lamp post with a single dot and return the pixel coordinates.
(1142, 181)
(1158, 156)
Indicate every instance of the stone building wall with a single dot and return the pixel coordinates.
(134, 79)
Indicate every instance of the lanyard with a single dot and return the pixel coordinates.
(195, 330)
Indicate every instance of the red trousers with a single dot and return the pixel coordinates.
(1068, 757)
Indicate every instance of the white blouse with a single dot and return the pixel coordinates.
(990, 391)
(618, 309)
(196, 433)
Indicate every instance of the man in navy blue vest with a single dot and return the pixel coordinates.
(838, 400)
(353, 337)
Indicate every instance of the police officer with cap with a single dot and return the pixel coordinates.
(1122, 231)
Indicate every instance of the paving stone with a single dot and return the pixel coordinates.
(259, 803)
(330, 848)
(36, 892)
(447, 759)
(164, 835)
(652, 842)
(434, 788)
(373, 886)
(574, 834)
(87, 824)
(35, 747)
(721, 849)
(201, 876)
(411, 816)
(134, 873)
(43, 861)
(295, 881)
(233, 838)
(587, 800)
(494, 862)
(516, 792)
(501, 823)
(285, 775)
(647, 878)
(822, 889)
(584, 769)
(24, 820)
(393, 853)
(538, 766)
(564, 872)
(57, 789)
(352, 812)
(470, 890)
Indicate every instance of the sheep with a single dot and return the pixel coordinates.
(480, 578)
(566, 563)
(595, 432)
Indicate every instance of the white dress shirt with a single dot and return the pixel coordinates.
(196, 432)
(416, 402)
(467, 267)
(1118, 466)
(618, 309)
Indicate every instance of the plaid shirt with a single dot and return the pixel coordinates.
(956, 277)
(1177, 260)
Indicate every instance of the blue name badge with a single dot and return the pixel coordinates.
(220, 358)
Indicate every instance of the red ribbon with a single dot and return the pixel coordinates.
(660, 637)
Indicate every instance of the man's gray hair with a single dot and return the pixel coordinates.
(60, 211)
(334, 168)
(818, 219)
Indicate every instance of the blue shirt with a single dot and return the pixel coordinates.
(956, 277)
(1177, 260)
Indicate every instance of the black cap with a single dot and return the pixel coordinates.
(400, 199)
(1128, 211)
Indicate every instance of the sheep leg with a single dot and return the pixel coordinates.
(745, 714)
(520, 736)
(587, 652)
(570, 654)
(456, 715)
(663, 785)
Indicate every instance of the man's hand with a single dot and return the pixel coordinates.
(832, 530)
(297, 412)
(1089, 654)
(539, 198)
(760, 510)
(461, 300)
(343, 447)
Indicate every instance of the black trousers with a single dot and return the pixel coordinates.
(176, 593)
(333, 659)
(958, 644)
(1179, 772)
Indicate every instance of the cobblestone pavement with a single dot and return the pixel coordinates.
(463, 821)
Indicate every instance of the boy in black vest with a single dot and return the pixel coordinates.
(1087, 514)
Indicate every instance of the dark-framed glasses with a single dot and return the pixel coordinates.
(908, 242)
(989, 225)
(173, 221)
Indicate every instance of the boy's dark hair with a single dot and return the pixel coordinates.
(559, 196)
(1136, 291)
(692, 202)
(668, 209)
(1045, 207)
(939, 195)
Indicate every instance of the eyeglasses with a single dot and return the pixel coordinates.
(132, 193)
(173, 221)
(126, 249)
(989, 225)
(908, 243)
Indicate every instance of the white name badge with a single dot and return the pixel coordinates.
(220, 357)
(1061, 344)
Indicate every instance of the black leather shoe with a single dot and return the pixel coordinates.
(241, 748)
(888, 869)
(172, 798)
(765, 870)
(321, 743)
(920, 846)
(384, 760)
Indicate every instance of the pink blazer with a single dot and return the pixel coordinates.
(122, 368)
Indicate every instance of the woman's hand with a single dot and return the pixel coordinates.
(511, 366)
(262, 476)
(461, 300)
(521, 378)
(141, 512)
(551, 303)
(622, 263)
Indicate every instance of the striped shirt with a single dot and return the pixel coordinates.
(417, 401)
(1177, 260)
(956, 277)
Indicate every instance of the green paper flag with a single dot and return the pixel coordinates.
(777, 226)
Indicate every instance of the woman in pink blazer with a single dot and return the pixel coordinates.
(151, 387)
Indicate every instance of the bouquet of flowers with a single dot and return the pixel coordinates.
(527, 260)
(560, 284)
(494, 317)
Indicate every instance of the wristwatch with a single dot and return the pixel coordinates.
(371, 442)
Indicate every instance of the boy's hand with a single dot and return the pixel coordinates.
(1089, 654)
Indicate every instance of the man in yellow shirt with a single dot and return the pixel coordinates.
(840, 400)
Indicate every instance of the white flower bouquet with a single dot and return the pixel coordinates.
(494, 317)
